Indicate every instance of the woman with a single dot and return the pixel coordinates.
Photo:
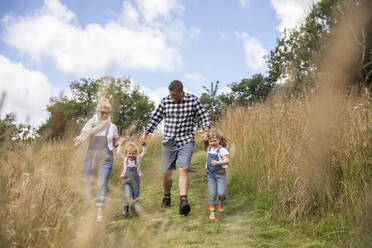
(102, 136)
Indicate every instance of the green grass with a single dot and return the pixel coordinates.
(246, 222)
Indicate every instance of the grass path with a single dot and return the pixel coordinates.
(242, 224)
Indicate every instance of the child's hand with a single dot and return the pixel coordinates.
(204, 137)
(120, 141)
(214, 162)
(77, 141)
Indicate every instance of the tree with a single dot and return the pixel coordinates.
(10, 131)
(7, 128)
(129, 106)
(252, 90)
(212, 102)
(296, 57)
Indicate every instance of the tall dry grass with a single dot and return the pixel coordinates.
(43, 198)
(37, 199)
(312, 156)
(275, 152)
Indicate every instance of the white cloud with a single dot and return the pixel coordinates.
(27, 92)
(160, 8)
(291, 12)
(254, 52)
(193, 82)
(156, 95)
(142, 38)
(224, 90)
(195, 31)
(244, 3)
(223, 35)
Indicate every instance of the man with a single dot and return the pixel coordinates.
(180, 112)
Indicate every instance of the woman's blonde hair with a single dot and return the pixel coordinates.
(130, 146)
(215, 133)
(103, 103)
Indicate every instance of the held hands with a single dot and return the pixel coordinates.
(143, 138)
(204, 137)
(120, 141)
(77, 141)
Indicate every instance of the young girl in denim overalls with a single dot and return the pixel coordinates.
(101, 135)
(131, 173)
(217, 161)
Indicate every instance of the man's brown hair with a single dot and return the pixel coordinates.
(176, 85)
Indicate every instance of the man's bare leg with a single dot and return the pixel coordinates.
(183, 180)
(183, 184)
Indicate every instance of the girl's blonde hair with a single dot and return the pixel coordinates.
(130, 146)
(215, 133)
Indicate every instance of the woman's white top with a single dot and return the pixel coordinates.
(112, 133)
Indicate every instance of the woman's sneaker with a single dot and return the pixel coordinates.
(133, 208)
(126, 212)
(99, 218)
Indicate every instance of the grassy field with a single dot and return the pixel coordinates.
(45, 205)
(300, 176)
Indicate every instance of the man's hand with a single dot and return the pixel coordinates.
(204, 136)
(143, 137)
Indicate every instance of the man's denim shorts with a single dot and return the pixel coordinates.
(172, 153)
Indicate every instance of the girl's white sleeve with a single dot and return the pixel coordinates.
(143, 153)
(224, 152)
(139, 159)
(124, 168)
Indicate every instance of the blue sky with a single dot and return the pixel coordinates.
(46, 44)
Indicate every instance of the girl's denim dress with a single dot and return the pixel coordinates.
(216, 177)
(131, 182)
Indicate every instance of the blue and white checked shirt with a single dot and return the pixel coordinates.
(179, 118)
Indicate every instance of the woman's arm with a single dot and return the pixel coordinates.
(80, 139)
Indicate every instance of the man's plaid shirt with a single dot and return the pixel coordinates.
(179, 118)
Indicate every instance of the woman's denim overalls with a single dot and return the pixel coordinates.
(103, 158)
(131, 183)
(216, 178)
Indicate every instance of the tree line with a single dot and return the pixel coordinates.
(293, 67)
